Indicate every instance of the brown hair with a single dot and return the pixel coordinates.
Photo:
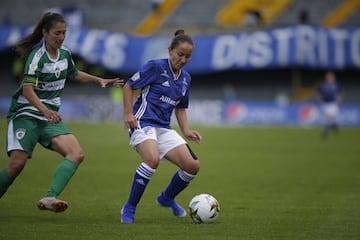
(180, 37)
(46, 21)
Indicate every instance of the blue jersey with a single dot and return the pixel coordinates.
(329, 92)
(160, 93)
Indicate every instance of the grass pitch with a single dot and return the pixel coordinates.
(272, 183)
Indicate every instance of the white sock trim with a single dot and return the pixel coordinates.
(187, 177)
(145, 171)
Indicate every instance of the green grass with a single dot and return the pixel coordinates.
(272, 183)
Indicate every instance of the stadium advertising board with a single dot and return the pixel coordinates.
(297, 46)
(209, 112)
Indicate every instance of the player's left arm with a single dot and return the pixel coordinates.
(181, 117)
(86, 77)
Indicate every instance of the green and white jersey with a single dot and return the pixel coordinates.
(48, 76)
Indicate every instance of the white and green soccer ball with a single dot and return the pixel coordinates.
(204, 208)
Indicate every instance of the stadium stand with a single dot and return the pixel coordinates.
(236, 12)
(317, 12)
(152, 22)
(195, 17)
(341, 13)
(210, 16)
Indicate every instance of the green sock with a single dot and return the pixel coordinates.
(5, 181)
(62, 176)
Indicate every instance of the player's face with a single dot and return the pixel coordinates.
(55, 36)
(330, 77)
(180, 55)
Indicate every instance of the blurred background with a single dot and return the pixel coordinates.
(256, 62)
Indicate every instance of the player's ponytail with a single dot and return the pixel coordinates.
(179, 37)
(179, 32)
(47, 20)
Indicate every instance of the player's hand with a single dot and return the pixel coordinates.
(193, 136)
(116, 82)
(53, 117)
(130, 121)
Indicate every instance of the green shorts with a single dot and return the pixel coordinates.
(25, 132)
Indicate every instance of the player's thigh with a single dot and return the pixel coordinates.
(184, 158)
(148, 150)
(60, 139)
(50, 131)
(68, 146)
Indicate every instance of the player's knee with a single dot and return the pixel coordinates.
(76, 156)
(193, 167)
(152, 161)
(80, 156)
(193, 164)
(196, 166)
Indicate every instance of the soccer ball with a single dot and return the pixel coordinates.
(204, 208)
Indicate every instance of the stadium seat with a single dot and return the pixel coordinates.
(341, 13)
(235, 13)
(154, 19)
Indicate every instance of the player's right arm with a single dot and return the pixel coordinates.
(29, 93)
(129, 118)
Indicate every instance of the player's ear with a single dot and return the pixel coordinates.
(44, 32)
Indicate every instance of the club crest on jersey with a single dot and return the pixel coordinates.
(20, 133)
(57, 72)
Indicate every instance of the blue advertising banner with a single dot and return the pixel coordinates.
(210, 112)
(301, 114)
(297, 46)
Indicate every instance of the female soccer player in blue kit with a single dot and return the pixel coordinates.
(164, 88)
(329, 93)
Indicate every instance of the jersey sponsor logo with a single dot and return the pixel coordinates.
(51, 86)
(20, 133)
(168, 100)
(166, 84)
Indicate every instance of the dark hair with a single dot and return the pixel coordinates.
(180, 37)
(46, 21)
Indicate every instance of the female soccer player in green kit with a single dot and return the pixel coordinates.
(33, 116)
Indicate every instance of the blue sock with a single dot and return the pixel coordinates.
(142, 177)
(179, 182)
